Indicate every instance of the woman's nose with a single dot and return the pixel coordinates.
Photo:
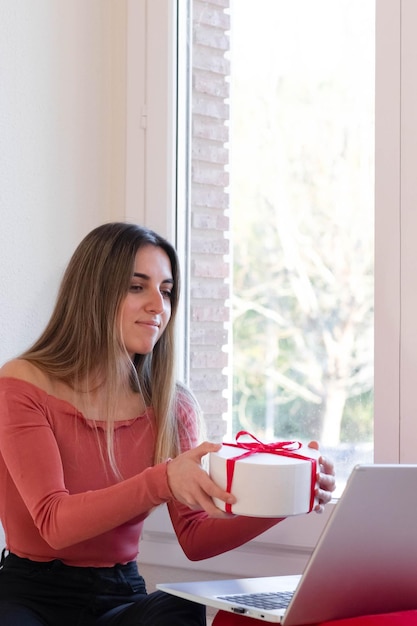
(156, 302)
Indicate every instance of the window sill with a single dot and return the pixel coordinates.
(282, 550)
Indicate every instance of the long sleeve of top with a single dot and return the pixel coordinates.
(59, 499)
(202, 537)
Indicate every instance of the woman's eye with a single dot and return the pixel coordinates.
(135, 288)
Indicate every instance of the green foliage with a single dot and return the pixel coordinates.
(303, 262)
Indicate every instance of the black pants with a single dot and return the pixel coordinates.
(54, 594)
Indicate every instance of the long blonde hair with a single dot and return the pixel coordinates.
(82, 338)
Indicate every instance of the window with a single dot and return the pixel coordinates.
(395, 363)
(300, 121)
(302, 207)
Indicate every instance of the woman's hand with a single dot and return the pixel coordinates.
(190, 484)
(326, 480)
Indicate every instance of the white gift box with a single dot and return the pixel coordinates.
(266, 484)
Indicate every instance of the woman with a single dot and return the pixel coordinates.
(90, 418)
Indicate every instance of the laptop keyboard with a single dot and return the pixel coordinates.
(270, 600)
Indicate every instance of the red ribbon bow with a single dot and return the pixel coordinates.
(281, 448)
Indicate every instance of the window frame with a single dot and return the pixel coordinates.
(395, 299)
(396, 223)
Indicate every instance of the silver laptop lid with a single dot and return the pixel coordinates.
(366, 558)
(363, 563)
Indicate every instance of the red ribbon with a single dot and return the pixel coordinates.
(281, 448)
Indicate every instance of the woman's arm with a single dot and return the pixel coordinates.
(32, 466)
(202, 536)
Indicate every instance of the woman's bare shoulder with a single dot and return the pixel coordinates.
(23, 370)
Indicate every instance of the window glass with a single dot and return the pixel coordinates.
(302, 212)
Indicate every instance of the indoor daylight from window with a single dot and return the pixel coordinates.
(302, 210)
(300, 149)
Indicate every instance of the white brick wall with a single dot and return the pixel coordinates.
(210, 267)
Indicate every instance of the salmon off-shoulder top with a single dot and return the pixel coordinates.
(59, 498)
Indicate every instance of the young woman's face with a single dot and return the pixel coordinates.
(146, 310)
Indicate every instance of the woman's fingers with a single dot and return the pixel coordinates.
(325, 479)
(191, 485)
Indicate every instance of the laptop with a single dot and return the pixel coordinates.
(365, 561)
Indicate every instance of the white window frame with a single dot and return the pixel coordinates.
(156, 132)
(396, 226)
(152, 114)
(285, 548)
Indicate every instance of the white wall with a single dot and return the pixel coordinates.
(62, 137)
(87, 111)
